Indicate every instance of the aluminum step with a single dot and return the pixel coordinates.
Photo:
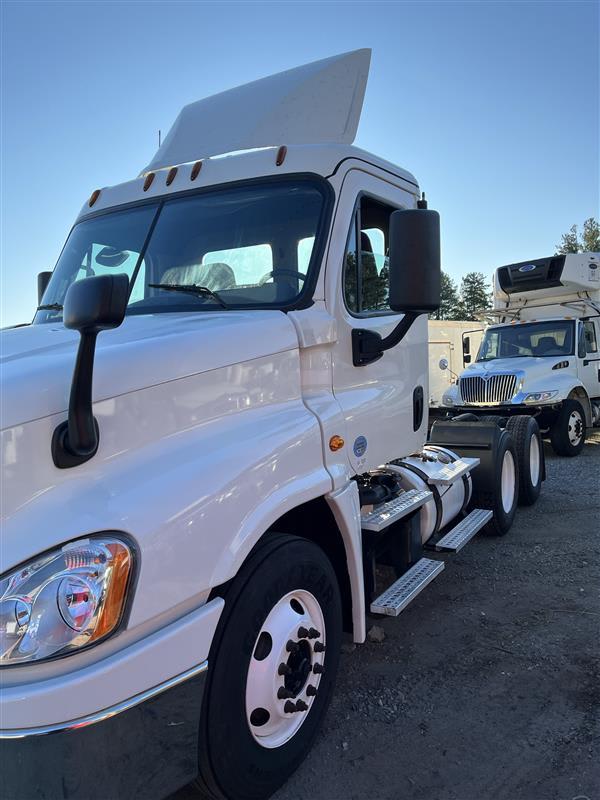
(462, 533)
(407, 587)
(386, 514)
(450, 473)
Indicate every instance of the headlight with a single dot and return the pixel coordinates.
(63, 600)
(540, 397)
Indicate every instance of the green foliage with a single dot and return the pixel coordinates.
(475, 295)
(449, 301)
(588, 243)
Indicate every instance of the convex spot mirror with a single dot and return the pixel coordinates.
(443, 363)
(415, 266)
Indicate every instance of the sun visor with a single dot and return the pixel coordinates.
(316, 103)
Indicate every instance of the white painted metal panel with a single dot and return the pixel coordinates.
(317, 102)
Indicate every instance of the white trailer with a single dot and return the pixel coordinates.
(212, 432)
(452, 345)
(540, 356)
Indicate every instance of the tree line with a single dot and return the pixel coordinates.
(474, 295)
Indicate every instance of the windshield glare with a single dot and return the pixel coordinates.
(533, 339)
(253, 245)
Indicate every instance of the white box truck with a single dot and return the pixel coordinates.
(540, 357)
(453, 344)
(213, 433)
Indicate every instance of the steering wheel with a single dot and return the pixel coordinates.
(291, 272)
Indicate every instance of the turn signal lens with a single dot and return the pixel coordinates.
(63, 600)
(336, 443)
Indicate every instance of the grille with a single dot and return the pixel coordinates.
(496, 389)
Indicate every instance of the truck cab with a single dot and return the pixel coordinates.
(214, 432)
(540, 355)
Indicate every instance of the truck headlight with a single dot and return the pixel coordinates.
(63, 600)
(540, 397)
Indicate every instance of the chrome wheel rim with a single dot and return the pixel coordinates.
(534, 460)
(575, 428)
(508, 481)
(285, 669)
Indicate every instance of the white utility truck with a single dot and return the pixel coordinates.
(452, 345)
(214, 435)
(541, 355)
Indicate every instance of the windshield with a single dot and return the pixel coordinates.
(532, 339)
(252, 246)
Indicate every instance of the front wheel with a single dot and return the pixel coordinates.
(567, 434)
(272, 669)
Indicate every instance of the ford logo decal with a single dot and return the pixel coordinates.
(527, 268)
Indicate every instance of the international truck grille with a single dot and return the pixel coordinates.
(492, 389)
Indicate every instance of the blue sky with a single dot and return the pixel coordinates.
(493, 106)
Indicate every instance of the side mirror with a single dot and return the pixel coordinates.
(91, 305)
(415, 277)
(43, 279)
(415, 267)
(443, 363)
(466, 345)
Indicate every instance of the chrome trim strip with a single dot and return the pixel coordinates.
(107, 713)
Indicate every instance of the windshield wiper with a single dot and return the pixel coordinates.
(50, 307)
(190, 288)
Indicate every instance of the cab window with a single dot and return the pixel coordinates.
(589, 336)
(366, 266)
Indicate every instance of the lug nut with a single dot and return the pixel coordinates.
(289, 707)
(317, 668)
(291, 646)
(303, 633)
(319, 647)
(311, 690)
(283, 669)
(301, 705)
(313, 633)
(283, 693)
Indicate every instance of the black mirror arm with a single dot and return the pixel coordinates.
(76, 439)
(368, 346)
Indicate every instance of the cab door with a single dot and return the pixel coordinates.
(384, 403)
(588, 363)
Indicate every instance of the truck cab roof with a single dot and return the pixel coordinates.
(319, 159)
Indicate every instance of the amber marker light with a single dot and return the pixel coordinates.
(171, 175)
(195, 170)
(148, 181)
(281, 154)
(114, 600)
(94, 196)
(336, 443)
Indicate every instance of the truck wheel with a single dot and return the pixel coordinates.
(567, 434)
(504, 496)
(492, 420)
(530, 455)
(272, 668)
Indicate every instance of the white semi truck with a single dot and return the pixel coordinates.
(213, 435)
(540, 357)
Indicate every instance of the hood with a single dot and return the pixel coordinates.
(36, 362)
(531, 368)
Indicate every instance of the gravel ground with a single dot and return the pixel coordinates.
(487, 687)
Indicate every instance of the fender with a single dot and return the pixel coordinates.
(194, 492)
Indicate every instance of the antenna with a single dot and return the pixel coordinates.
(159, 137)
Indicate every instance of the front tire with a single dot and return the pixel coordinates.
(567, 434)
(280, 633)
(530, 455)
